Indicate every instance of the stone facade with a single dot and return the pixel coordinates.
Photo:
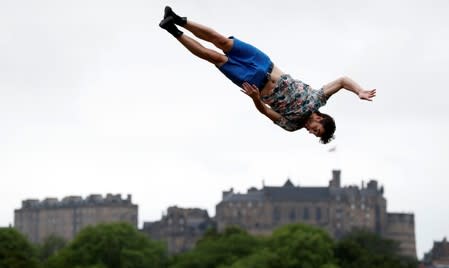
(334, 208)
(180, 229)
(39, 219)
(401, 227)
(438, 256)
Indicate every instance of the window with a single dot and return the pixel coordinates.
(292, 215)
(318, 214)
(243, 211)
(339, 213)
(277, 214)
(305, 214)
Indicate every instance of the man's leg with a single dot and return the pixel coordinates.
(210, 35)
(199, 50)
(192, 45)
(200, 31)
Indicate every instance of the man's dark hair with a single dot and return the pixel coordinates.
(329, 127)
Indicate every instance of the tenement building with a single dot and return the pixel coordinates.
(180, 228)
(334, 208)
(65, 218)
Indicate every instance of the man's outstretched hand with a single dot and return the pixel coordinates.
(250, 90)
(367, 94)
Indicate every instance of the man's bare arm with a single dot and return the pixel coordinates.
(253, 92)
(348, 84)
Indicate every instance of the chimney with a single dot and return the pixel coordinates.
(227, 193)
(372, 185)
(335, 182)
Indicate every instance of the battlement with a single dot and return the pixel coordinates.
(400, 218)
(336, 187)
(187, 212)
(76, 201)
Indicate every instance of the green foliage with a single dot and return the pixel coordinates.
(50, 246)
(122, 246)
(15, 250)
(366, 249)
(263, 258)
(302, 246)
(290, 246)
(217, 249)
(116, 245)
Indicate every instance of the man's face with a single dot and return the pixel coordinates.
(314, 126)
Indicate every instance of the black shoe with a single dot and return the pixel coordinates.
(169, 25)
(168, 12)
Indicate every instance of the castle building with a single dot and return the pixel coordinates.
(334, 208)
(438, 256)
(180, 228)
(65, 218)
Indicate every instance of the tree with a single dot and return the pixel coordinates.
(365, 249)
(290, 246)
(263, 258)
(50, 246)
(116, 245)
(15, 250)
(218, 249)
(303, 246)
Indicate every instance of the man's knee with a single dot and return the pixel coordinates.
(218, 59)
(224, 43)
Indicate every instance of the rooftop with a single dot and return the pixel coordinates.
(76, 201)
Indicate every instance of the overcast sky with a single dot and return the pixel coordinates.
(96, 98)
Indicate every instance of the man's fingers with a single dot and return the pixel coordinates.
(247, 87)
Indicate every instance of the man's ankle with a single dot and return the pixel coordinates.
(181, 21)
